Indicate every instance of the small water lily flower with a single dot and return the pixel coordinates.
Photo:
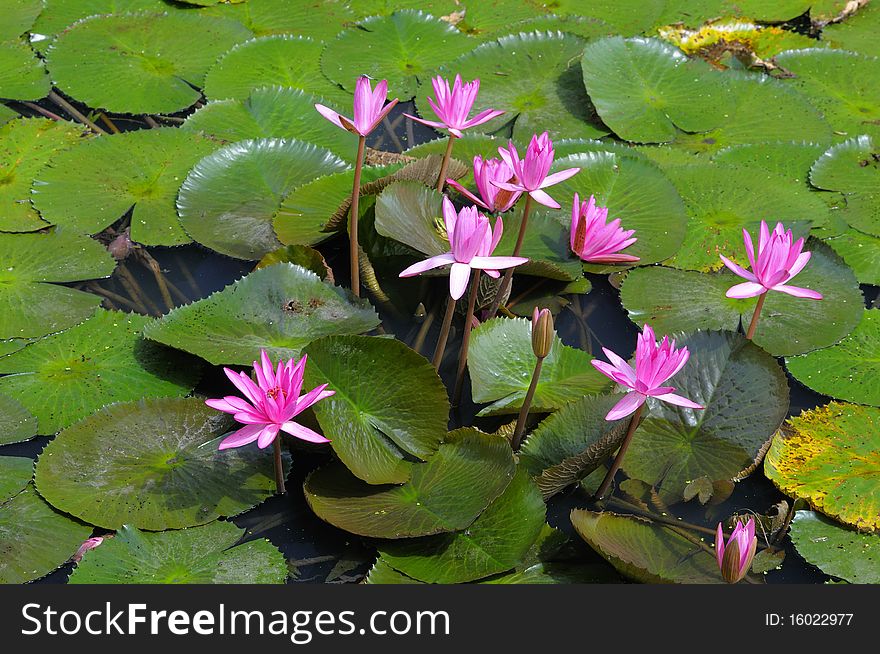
(369, 108)
(492, 198)
(472, 242)
(735, 558)
(777, 261)
(269, 405)
(594, 239)
(532, 171)
(87, 545)
(452, 106)
(655, 363)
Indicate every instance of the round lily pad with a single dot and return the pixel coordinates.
(830, 456)
(15, 474)
(858, 32)
(22, 74)
(445, 494)
(65, 377)
(410, 212)
(228, 201)
(789, 159)
(861, 252)
(89, 187)
(836, 550)
(35, 307)
(853, 167)
(501, 361)
(163, 471)
(401, 48)
(18, 17)
(321, 19)
(16, 423)
(25, 147)
(198, 555)
(60, 14)
(382, 417)
(35, 538)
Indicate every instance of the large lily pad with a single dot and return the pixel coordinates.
(15, 474)
(745, 394)
(22, 74)
(140, 63)
(228, 201)
(501, 361)
(198, 555)
(445, 494)
(858, 32)
(34, 307)
(853, 167)
(279, 308)
(16, 423)
(65, 377)
(60, 14)
(18, 17)
(861, 252)
(496, 542)
(35, 538)
(410, 212)
(789, 159)
(830, 457)
(162, 469)
(91, 186)
(319, 19)
(836, 550)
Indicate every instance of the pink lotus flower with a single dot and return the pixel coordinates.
(452, 106)
(532, 171)
(270, 404)
(778, 260)
(368, 108)
(654, 365)
(735, 559)
(594, 239)
(472, 242)
(87, 545)
(486, 172)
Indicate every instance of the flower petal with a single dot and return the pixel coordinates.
(303, 433)
(561, 176)
(542, 198)
(797, 291)
(497, 263)
(267, 436)
(428, 264)
(746, 289)
(630, 402)
(678, 400)
(243, 436)
(738, 270)
(459, 275)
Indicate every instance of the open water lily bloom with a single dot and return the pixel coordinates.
(369, 108)
(472, 242)
(269, 405)
(655, 363)
(486, 173)
(532, 170)
(594, 239)
(452, 106)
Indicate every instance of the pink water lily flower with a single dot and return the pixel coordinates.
(472, 242)
(369, 108)
(594, 239)
(452, 106)
(491, 197)
(532, 171)
(270, 404)
(735, 558)
(778, 259)
(655, 363)
(86, 546)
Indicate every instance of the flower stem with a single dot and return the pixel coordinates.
(444, 334)
(508, 275)
(441, 180)
(353, 219)
(527, 403)
(615, 466)
(754, 324)
(466, 339)
(279, 467)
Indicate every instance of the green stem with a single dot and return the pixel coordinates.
(527, 403)
(466, 339)
(444, 334)
(441, 180)
(618, 460)
(754, 324)
(279, 467)
(508, 275)
(353, 219)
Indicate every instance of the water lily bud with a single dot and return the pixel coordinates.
(542, 332)
(735, 557)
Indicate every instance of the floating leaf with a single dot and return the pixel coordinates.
(15, 474)
(229, 199)
(861, 252)
(198, 555)
(830, 457)
(501, 361)
(91, 186)
(18, 17)
(858, 32)
(410, 212)
(320, 19)
(163, 470)
(22, 74)
(853, 167)
(301, 255)
(279, 308)
(836, 550)
(447, 493)
(791, 159)
(60, 14)
(65, 377)
(16, 423)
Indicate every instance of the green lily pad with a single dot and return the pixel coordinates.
(858, 32)
(140, 63)
(501, 361)
(320, 19)
(586, 27)
(494, 543)
(546, 244)
(401, 48)
(410, 212)
(228, 201)
(164, 470)
(861, 252)
(745, 394)
(279, 308)
(534, 77)
(33, 306)
(849, 370)
(65, 377)
(830, 457)
(381, 417)
(789, 159)
(35, 538)
(60, 14)
(16, 423)
(301, 255)
(853, 168)
(15, 474)
(22, 74)
(837, 551)
(12, 345)
(7, 114)
(571, 443)
(91, 186)
(25, 147)
(18, 17)
(198, 555)
(468, 472)
(539, 573)
(677, 300)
